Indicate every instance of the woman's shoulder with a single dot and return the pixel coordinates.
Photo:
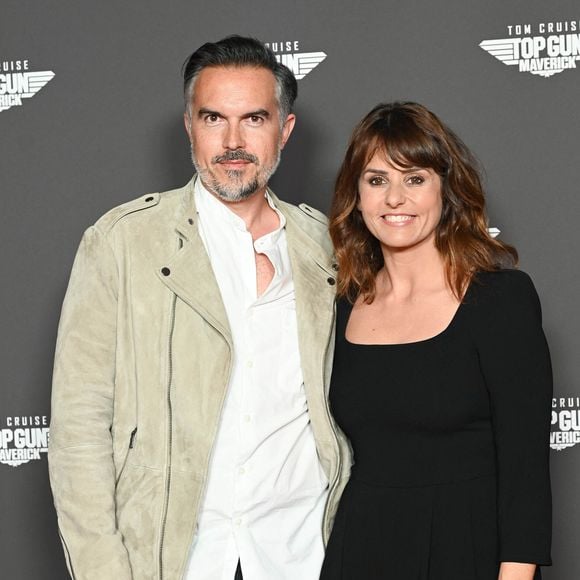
(506, 284)
(505, 276)
(502, 294)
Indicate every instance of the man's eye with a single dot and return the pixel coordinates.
(213, 118)
(256, 119)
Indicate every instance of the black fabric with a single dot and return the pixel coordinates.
(450, 439)
(238, 574)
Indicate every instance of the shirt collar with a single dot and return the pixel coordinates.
(209, 205)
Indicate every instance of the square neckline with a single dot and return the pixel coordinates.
(452, 322)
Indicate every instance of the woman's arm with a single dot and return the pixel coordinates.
(515, 363)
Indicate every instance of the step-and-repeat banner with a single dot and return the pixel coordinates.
(91, 116)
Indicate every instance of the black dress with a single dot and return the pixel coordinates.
(450, 440)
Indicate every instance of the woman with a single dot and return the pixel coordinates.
(442, 377)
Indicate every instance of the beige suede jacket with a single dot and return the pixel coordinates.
(142, 366)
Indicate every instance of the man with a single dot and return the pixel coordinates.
(191, 435)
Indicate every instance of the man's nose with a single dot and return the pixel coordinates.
(233, 137)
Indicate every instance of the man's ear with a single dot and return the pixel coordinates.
(287, 129)
(187, 123)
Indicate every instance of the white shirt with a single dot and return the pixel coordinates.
(266, 490)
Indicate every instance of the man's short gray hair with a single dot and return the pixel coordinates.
(239, 51)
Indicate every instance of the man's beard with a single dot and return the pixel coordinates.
(235, 189)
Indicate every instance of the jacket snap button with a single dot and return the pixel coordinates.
(331, 281)
(150, 198)
(165, 271)
(335, 267)
(190, 221)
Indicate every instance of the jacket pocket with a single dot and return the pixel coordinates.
(130, 447)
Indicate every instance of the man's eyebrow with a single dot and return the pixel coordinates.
(258, 113)
(203, 111)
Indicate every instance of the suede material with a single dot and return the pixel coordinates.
(142, 365)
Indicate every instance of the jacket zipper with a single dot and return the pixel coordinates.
(204, 486)
(170, 433)
(169, 437)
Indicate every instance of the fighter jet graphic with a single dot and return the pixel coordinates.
(503, 49)
(27, 84)
(305, 62)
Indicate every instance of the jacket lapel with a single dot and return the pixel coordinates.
(188, 273)
(314, 284)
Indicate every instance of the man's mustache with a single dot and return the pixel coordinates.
(237, 155)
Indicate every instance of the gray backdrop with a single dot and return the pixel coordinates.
(108, 128)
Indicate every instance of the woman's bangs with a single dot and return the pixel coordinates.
(409, 147)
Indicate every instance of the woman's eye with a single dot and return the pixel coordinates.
(416, 179)
(377, 180)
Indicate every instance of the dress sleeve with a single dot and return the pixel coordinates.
(515, 363)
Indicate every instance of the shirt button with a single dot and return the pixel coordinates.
(249, 364)
(238, 521)
(247, 418)
(241, 471)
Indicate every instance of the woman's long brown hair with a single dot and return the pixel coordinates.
(409, 135)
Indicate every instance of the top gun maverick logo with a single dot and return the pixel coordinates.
(565, 430)
(300, 63)
(543, 49)
(17, 82)
(23, 439)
